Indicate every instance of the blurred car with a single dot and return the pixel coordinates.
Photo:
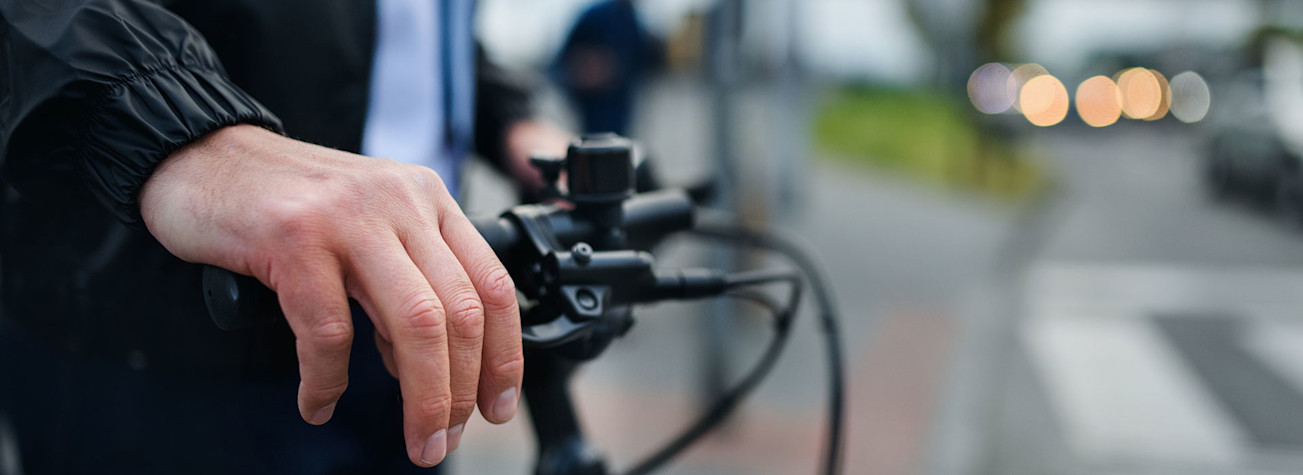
(1245, 155)
(1254, 147)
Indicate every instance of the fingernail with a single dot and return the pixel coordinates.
(454, 437)
(505, 407)
(435, 448)
(323, 414)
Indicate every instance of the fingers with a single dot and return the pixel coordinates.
(317, 310)
(465, 317)
(502, 366)
(417, 327)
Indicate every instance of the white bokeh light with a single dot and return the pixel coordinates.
(987, 88)
(1191, 97)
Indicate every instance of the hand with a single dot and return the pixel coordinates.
(529, 137)
(319, 226)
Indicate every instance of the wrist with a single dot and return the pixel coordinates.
(192, 161)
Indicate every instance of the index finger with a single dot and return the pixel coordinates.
(417, 325)
(316, 309)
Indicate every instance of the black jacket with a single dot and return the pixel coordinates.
(95, 93)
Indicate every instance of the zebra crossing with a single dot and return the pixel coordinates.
(1164, 366)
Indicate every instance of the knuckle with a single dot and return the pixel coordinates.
(421, 172)
(414, 179)
(466, 316)
(425, 317)
(497, 289)
(427, 179)
(434, 407)
(511, 364)
(389, 176)
(411, 185)
(299, 220)
(463, 407)
(393, 172)
(332, 335)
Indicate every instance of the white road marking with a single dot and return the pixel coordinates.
(1120, 390)
(1123, 395)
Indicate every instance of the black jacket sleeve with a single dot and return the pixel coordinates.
(502, 98)
(95, 93)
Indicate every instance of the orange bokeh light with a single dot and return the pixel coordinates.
(1019, 77)
(1099, 102)
(1044, 100)
(1142, 94)
(1165, 97)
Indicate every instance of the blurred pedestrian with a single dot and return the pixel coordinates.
(603, 60)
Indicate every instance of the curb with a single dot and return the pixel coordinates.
(970, 403)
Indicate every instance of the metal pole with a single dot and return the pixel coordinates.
(793, 118)
(724, 34)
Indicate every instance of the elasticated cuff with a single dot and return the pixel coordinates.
(142, 119)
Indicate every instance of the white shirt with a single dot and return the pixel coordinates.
(407, 112)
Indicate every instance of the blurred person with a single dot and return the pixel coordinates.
(141, 138)
(602, 61)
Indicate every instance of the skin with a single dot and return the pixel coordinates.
(528, 137)
(320, 226)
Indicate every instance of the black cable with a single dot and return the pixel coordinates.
(762, 276)
(724, 406)
(828, 318)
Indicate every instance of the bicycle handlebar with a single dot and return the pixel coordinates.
(237, 301)
(581, 263)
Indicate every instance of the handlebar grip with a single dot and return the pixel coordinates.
(237, 301)
(650, 217)
(498, 232)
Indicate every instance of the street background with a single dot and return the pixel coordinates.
(1017, 295)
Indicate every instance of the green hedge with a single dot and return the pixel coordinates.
(927, 136)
